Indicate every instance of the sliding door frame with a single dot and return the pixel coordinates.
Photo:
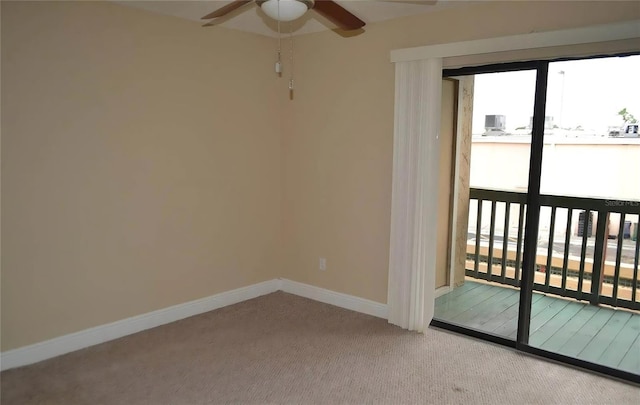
(533, 205)
(532, 221)
(599, 36)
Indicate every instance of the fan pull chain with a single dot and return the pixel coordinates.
(279, 60)
(291, 41)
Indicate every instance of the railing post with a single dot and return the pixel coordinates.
(599, 254)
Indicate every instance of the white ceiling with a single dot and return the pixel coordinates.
(251, 18)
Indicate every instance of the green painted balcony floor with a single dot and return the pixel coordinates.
(597, 334)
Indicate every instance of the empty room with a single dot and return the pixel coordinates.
(297, 201)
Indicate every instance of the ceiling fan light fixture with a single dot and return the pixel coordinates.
(285, 10)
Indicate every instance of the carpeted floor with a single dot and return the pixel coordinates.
(285, 349)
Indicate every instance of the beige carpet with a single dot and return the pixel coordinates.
(285, 349)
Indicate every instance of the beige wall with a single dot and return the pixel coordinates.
(147, 162)
(337, 143)
(140, 165)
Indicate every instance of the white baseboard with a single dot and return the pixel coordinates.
(335, 298)
(89, 337)
(103, 333)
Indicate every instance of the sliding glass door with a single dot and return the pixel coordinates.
(551, 260)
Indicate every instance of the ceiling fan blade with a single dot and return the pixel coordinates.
(338, 15)
(226, 9)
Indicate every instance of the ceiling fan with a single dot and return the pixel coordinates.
(289, 10)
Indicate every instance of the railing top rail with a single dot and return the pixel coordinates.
(593, 204)
(498, 195)
(584, 203)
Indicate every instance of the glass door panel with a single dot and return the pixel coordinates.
(487, 299)
(587, 248)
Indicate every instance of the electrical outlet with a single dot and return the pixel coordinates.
(322, 264)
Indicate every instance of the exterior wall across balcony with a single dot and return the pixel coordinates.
(598, 168)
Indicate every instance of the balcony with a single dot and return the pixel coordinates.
(586, 301)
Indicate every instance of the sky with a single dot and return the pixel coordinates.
(589, 93)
